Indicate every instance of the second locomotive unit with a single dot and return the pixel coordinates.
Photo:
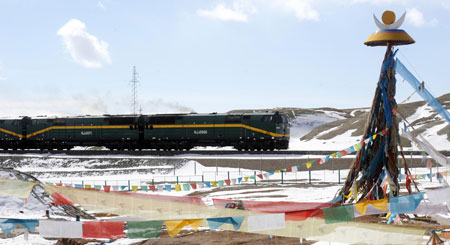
(245, 131)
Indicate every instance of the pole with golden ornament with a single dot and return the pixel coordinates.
(374, 173)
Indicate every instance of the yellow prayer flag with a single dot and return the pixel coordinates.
(277, 171)
(87, 186)
(134, 188)
(214, 183)
(381, 204)
(308, 164)
(333, 155)
(175, 226)
(15, 188)
(374, 136)
(356, 147)
(246, 178)
(177, 187)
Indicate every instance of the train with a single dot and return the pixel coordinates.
(164, 132)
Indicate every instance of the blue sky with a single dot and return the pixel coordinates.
(76, 57)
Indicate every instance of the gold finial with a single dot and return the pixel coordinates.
(388, 33)
(388, 17)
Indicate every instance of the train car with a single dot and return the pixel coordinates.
(247, 131)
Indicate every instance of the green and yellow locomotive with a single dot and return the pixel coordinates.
(245, 131)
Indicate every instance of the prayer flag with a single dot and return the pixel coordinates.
(381, 204)
(186, 187)
(115, 187)
(239, 179)
(15, 188)
(228, 182)
(343, 153)
(266, 175)
(7, 225)
(144, 229)
(107, 188)
(95, 229)
(194, 186)
(339, 154)
(233, 181)
(337, 214)
(87, 187)
(60, 199)
(289, 169)
(152, 187)
(246, 178)
(174, 226)
(208, 184)
(58, 184)
(440, 195)
(214, 183)
(260, 176)
(144, 188)
(353, 148)
(333, 155)
(405, 204)
(266, 222)
(200, 185)
(252, 177)
(215, 223)
(122, 187)
(98, 187)
(78, 186)
(168, 187)
(60, 229)
(277, 171)
(134, 188)
(220, 182)
(308, 164)
(177, 187)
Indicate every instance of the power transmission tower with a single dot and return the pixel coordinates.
(134, 83)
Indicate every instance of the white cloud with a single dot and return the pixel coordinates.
(415, 17)
(382, 2)
(85, 48)
(223, 13)
(100, 5)
(302, 9)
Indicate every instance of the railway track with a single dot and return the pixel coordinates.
(175, 153)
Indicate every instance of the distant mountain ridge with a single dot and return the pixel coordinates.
(325, 127)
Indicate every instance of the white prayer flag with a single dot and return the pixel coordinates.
(440, 195)
(60, 229)
(266, 222)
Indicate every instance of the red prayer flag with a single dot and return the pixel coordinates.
(94, 229)
(228, 182)
(260, 176)
(289, 169)
(384, 131)
(343, 153)
(58, 184)
(194, 186)
(152, 187)
(107, 188)
(60, 199)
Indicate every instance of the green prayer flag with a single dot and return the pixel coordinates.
(186, 187)
(338, 214)
(144, 229)
(144, 187)
(220, 182)
(98, 187)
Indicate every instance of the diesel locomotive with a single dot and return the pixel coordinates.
(244, 131)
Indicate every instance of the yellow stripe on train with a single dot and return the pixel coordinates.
(154, 126)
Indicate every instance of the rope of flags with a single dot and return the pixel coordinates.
(138, 229)
(225, 182)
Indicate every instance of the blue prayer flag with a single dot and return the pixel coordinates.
(215, 223)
